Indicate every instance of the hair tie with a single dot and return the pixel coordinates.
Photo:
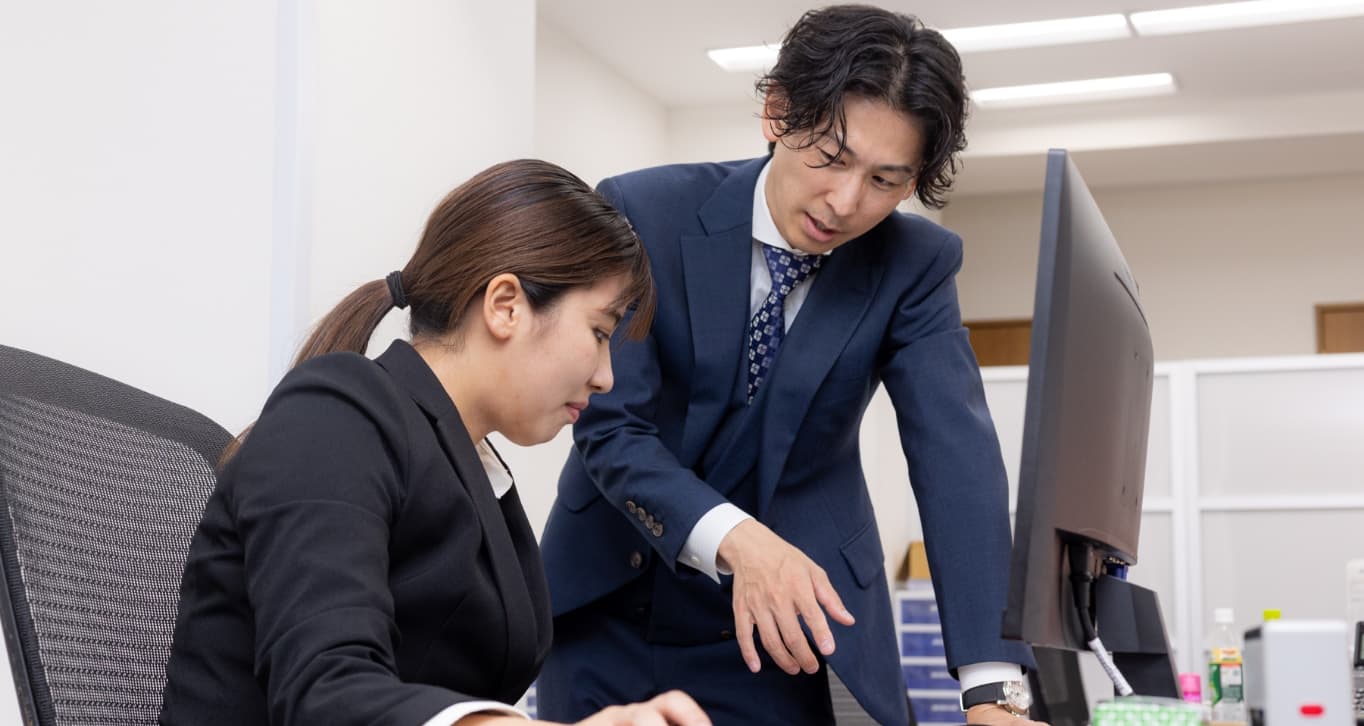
(395, 289)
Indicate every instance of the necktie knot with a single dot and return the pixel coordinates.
(768, 326)
(788, 269)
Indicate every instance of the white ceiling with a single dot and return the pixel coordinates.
(1255, 102)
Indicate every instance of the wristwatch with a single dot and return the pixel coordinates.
(1013, 696)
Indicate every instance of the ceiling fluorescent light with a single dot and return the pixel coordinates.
(1094, 89)
(966, 40)
(747, 59)
(1241, 15)
(1043, 32)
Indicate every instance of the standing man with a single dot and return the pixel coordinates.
(717, 494)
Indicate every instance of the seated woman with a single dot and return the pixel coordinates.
(365, 558)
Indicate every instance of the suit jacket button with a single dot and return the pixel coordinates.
(641, 514)
(636, 560)
(630, 506)
(657, 529)
(727, 634)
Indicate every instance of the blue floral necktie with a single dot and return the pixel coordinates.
(768, 326)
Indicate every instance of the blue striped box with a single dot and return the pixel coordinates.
(927, 674)
(916, 607)
(921, 640)
(936, 706)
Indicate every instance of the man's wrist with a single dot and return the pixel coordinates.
(732, 545)
(988, 713)
(1012, 696)
(700, 551)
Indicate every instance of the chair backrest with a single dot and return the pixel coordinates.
(102, 487)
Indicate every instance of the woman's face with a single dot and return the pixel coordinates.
(562, 360)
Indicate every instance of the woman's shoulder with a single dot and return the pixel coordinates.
(342, 370)
(347, 378)
(335, 410)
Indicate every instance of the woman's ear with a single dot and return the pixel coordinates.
(504, 306)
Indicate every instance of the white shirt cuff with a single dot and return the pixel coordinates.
(458, 711)
(978, 674)
(702, 548)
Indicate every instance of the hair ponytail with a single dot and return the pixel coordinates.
(349, 325)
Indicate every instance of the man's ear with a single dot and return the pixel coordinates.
(504, 306)
(913, 187)
(774, 109)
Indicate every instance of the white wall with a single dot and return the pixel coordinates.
(187, 189)
(411, 100)
(715, 133)
(1225, 269)
(588, 118)
(137, 148)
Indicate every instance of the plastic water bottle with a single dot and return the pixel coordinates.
(1224, 669)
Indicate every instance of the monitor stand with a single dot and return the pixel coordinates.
(1058, 689)
(1127, 618)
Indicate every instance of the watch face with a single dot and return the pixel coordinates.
(1017, 697)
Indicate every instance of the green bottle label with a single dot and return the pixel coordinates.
(1231, 683)
(1224, 682)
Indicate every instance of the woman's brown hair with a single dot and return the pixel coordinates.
(527, 217)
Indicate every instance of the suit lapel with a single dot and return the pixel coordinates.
(838, 299)
(511, 582)
(523, 538)
(716, 268)
(410, 371)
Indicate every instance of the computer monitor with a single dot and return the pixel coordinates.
(1084, 447)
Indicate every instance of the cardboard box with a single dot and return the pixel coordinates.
(914, 565)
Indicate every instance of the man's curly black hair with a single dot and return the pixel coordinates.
(858, 50)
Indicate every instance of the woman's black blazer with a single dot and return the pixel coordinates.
(353, 565)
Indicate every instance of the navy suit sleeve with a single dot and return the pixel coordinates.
(317, 486)
(623, 453)
(955, 466)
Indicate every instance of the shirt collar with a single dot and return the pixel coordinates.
(764, 229)
(498, 474)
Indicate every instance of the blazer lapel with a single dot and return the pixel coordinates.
(839, 297)
(523, 538)
(716, 270)
(407, 367)
(511, 582)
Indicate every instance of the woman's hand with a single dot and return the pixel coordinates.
(673, 708)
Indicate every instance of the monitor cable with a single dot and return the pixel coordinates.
(1082, 581)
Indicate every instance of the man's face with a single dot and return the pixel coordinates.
(818, 206)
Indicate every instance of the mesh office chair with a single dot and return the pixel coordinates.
(103, 486)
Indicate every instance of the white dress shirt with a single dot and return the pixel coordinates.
(501, 479)
(701, 550)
